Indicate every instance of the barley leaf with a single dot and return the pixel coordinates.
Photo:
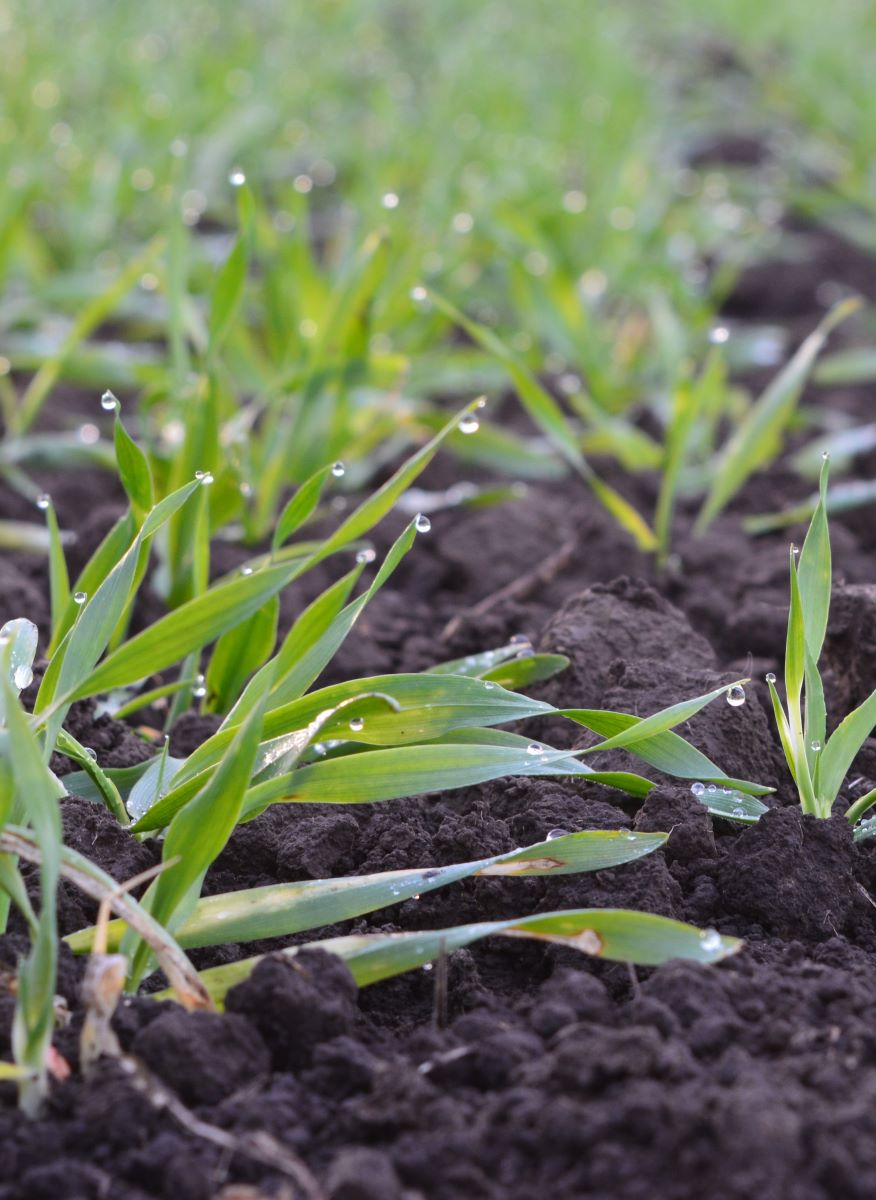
(647, 727)
(758, 436)
(618, 935)
(282, 909)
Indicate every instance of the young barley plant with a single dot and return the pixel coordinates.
(818, 763)
(364, 741)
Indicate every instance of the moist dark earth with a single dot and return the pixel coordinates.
(553, 1074)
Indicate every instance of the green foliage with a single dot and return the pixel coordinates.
(614, 934)
(818, 764)
(31, 794)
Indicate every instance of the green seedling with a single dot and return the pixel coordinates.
(818, 763)
(364, 741)
(697, 406)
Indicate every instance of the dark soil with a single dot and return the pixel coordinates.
(554, 1075)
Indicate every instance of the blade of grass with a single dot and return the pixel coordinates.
(658, 722)
(549, 417)
(758, 436)
(282, 909)
(618, 935)
(91, 315)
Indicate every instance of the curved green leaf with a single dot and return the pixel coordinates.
(619, 935)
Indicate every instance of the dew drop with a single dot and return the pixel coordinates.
(91, 752)
(711, 789)
(204, 478)
(357, 724)
(427, 966)
(534, 748)
(631, 837)
(738, 812)
(710, 940)
(109, 403)
(770, 678)
(736, 696)
(718, 335)
(469, 424)
(22, 677)
(246, 570)
(489, 685)
(419, 295)
(697, 788)
(825, 455)
(366, 556)
(795, 551)
(44, 501)
(816, 745)
(80, 597)
(422, 524)
(338, 470)
(556, 833)
(389, 200)
(319, 748)
(200, 688)
(237, 178)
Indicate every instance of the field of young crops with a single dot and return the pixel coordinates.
(438, 631)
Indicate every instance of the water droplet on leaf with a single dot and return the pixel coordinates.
(736, 695)
(109, 403)
(710, 940)
(469, 424)
(357, 724)
(698, 788)
(338, 470)
(22, 677)
(80, 597)
(534, 748)
(422, 524)
(43, 501)
(556, 833)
